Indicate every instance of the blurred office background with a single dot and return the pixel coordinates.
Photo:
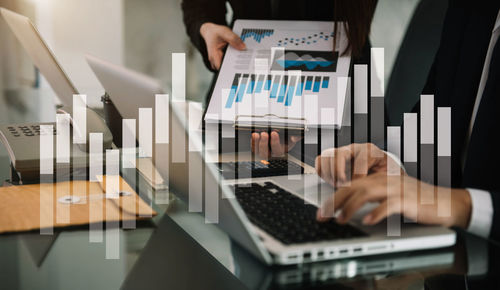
(142, 34)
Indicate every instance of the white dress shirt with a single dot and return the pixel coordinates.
(482, 205)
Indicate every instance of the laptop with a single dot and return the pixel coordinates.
(155, 265)
(248, 167)
(271, 217)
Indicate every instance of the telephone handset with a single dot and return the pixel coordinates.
(22, 142)
(95, 124)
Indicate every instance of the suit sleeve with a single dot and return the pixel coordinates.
(495, 226)
(197, 12)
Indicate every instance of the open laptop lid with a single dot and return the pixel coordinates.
(130, 91)
(127, 89)
(41, 55)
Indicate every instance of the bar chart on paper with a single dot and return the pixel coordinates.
(289, 71)
(281, 89)
(256, 34)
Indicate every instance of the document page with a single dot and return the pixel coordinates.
(289, 76)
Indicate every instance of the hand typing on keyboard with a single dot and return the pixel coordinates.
(339, 165)
(287, 217)
(372, 183)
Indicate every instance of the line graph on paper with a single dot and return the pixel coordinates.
(325, 61)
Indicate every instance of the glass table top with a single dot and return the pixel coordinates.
(178, 250)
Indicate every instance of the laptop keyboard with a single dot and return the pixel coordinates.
(262, 168)
(287, 217)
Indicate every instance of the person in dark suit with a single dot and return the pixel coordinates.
(466, 77)
(206, 25)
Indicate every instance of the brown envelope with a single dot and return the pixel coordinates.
(30, 207)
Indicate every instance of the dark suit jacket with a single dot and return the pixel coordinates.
(197, 12)
(454, 80)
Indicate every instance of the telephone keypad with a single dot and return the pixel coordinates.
(26, 130)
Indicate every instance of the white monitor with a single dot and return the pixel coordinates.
(40, 54)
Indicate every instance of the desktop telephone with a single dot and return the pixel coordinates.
(22, 142)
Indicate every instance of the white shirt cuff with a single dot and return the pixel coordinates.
(482, 212)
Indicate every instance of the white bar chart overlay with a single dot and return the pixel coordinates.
(195, 163)
(360, 103)
(79, 166)
(410, 157)
(393, 169)
(311, 109)
(328, 116)
(344, 135)
(79, 119)
(47, 176)
(95, 173)
(311, 143)
(361, 112)
(162, 138)
(62, 165)
(129, 160)
(145, 132)
(146, 151)
(444, 161)
(212, 192)
(128, 143)
(113, 195)
(377, 92)
(179, 95)
(427, 145)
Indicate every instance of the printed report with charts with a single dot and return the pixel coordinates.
(289, 76)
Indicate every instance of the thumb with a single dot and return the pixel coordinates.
(233, 39)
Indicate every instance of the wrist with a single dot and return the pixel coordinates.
(461, 208)
(204, 28)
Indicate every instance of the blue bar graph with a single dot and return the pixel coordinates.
(241, 91)
(256, 34)
(232, 93)
(291, 90)
(276, 84)
(300, 86)
(324, 84)
(281, 96)
(260, 82)
(251, 85)
(317, 81)
(268, 83)
(309, 83)
(283, 88)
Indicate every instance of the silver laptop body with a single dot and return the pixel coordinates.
(129, 91)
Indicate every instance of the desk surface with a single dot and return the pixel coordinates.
(177, 250)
